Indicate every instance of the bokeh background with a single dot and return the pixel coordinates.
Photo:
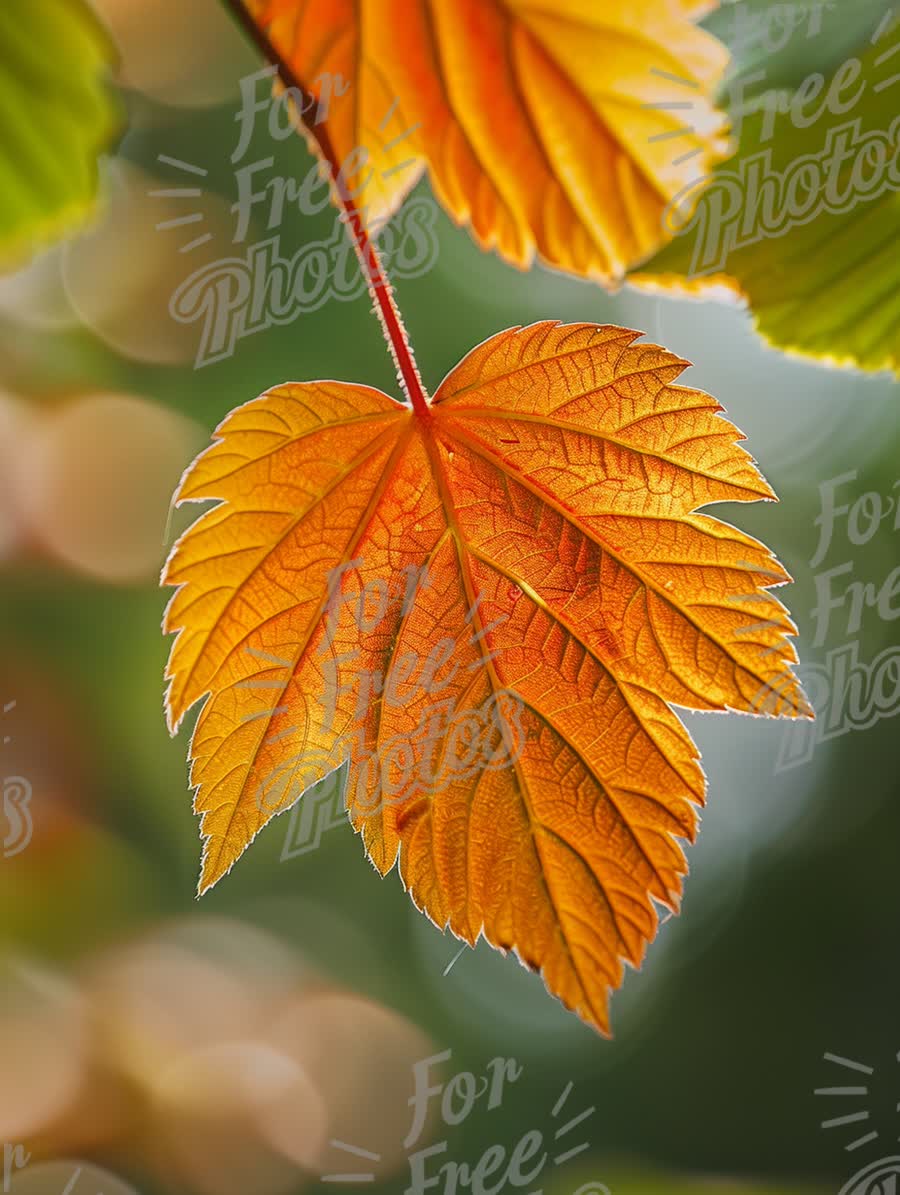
(217, 1047)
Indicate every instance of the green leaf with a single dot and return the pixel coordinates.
(777, 44)
(635, 1182)
(57, 116)
(819, 270)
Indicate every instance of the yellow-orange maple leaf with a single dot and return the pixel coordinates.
(486, 607)
(561, 128)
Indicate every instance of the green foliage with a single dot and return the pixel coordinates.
(802, 220)
(57, 114)
(626, 1181)
(787, 42)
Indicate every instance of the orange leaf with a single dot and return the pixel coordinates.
(486, 609)
(562, 129)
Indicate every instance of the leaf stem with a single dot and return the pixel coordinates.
(380, 289)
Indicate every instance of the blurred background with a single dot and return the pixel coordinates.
(220, 1046)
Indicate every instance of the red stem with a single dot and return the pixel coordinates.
(380, 289)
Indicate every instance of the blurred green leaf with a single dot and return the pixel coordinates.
(803, 220)
(58, 115)
(633, 1181)
(777, 44)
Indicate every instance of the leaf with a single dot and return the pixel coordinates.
(570, 593)
(775, 45)
(646, 1182)
(548, 128)
(823, 281)
(57, 117)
